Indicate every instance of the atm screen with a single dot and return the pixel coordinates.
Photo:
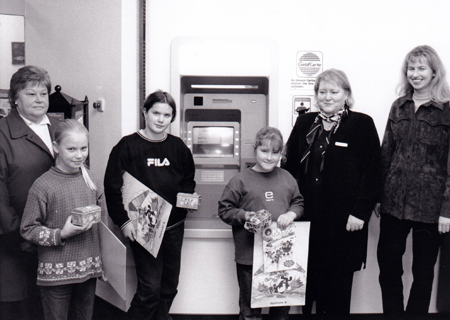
(213, 142)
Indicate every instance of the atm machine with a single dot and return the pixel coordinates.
(219, 119)
(226, 89)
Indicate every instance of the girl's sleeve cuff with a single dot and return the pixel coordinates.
(125, 224)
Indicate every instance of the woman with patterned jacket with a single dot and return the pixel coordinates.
(416, 180)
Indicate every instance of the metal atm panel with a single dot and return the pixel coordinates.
(214, 140)
(220, 117)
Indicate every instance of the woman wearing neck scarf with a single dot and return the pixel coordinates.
(416, 181)
(335, 156)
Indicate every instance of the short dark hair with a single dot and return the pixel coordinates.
(161, 97)
(24, 77)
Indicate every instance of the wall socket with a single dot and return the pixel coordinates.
(100, 105)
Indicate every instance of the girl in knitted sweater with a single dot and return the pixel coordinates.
(69, 255)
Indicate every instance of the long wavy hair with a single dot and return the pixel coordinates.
(439, 89)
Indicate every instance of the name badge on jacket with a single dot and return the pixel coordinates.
(341, 144)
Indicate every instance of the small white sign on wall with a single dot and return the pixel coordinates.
(300, 104)
(309, 64)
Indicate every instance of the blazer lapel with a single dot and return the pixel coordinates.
(18, 129)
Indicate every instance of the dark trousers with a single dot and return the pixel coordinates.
(69, 301)
(28, 309)
(391, 247)
(31, 307)
(332, 291)
(443, 292)
(244, 274)
(157, 277)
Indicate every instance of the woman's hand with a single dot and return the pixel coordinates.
(354, 223)
(444, 224)
(70, 230)
(129, 231)
(286, 219)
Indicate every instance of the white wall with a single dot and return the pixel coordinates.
(11, 30)
(89, 48)
(14, 7)
(366, 39)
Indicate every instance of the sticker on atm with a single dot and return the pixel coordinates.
(213, 176)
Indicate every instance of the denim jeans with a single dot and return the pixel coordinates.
(391, 247)
(157, 277)
(244, 274)
(70, 301)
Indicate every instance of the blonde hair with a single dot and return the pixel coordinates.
(439, 89)
(339, 78)
(63, 129)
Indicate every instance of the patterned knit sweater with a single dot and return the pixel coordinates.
(50, 201)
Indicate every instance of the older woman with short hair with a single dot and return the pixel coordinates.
(26, 135)
(335, 156)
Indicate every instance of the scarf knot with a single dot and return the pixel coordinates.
(335, 117)
(316, 130)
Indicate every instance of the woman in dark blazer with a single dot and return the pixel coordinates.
(25, 153)
(335, 156)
